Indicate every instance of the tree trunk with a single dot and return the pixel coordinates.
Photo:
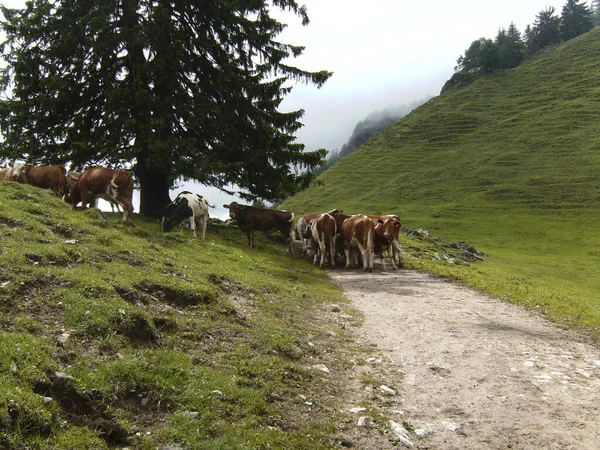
(154, 191)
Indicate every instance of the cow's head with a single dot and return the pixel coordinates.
(308, 230)
(18, 169)
(233, 209)
(388, 227)
(335, 212)
(175, 213)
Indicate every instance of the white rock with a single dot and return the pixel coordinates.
(363, 422)
(63, 338)
(321, 367)
(387, 391)
(401, 433)
(453, 427)
(422, 432)
(357, 410)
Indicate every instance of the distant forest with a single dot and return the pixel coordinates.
(510, 48)
(365, 129)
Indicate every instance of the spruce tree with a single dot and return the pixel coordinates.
(174, 90)
(545, 31)
(596, 12)
(510, 46)
(576, 19)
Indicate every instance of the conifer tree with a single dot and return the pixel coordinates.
(545, 31)
(511, 47)
(576, 19)
(596, 12)
(174, 89)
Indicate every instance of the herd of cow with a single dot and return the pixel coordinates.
(322, 234)
(113, 185)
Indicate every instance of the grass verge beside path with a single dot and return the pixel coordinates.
(114, 336)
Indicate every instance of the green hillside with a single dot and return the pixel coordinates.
(509, 163)
(114, 336)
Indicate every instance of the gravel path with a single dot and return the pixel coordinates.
(470, 371)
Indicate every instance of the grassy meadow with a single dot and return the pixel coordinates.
(114, 336)
(510, 164)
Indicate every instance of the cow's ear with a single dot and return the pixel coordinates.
(226, 206)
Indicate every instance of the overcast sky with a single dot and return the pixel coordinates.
(383, 53)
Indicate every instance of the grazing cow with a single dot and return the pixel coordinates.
(250, 218)
(396, 254)
(45, 177)
(187, 208)
(302, 225)
(358, 231)
(386, 229)
(323, 232)
(96, 181)
(73, 178)
(13, 171)
(6, 173)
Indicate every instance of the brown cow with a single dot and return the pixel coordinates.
(73, 178)
(250, 218)
(396, 249)
(358, 231)
(45, 177)
(97, 181)
(302, 225)
(386, 230)
(323, 232)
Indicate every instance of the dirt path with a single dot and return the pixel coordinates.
(469, 371)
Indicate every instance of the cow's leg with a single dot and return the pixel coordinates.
(203, 223)
(193, 226)
(347, 252)
(383, 265)
(363, 254)
(323, 250)
(250, 234)
(397, 253)
(390, 252)
(127, 208)
(332, 253)
(84, 198)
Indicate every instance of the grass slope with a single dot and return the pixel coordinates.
(115, 336)
(511, 164)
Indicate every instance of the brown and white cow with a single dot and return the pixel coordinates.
(6, 173)
(250, 218)
(45, 177)
(395, 249)
(358, 232)
(303, 222)
(97, 181)
(73, 178)
(387, 229)
(322, 231)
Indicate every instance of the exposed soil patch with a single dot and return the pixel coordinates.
(469, 371)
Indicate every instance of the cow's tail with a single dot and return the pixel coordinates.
(291, 221)
(369, 228)
(125, 181)
(212, 206)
